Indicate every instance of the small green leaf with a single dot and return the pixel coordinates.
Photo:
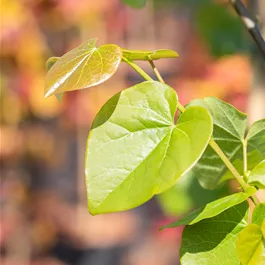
(83, 67)
(258, 214)
(229, 130)
(257, 175)
(135, 55)
(135, 3)
(212, 241)
(210, 210)
(50, 62)
(250, 247)
(135, 150)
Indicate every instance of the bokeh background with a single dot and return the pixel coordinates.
(44, 217)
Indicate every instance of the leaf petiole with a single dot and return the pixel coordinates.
(138, 69)
(159, 77)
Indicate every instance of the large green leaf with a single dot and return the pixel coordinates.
(258, 214)
(135, 150)
(229, 133)
(135, 3)
(250, 246)
(212, 241)
(229, 130)
(83, 67)
(257, 175)
(211, 209)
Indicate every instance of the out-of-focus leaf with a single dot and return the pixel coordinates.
(222, 31)
(83, 67)
(135, 3)
(211, 209)
(189, 194)
(250, 247)
(136, 150)
(213, 241)
(176, 201)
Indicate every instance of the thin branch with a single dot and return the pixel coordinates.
(251, 25)
(159, 77)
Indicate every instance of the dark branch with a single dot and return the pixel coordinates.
(251, 25)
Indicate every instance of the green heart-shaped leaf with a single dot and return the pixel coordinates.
(135, 150)
(212, 241)
(257, 175)
(211, 209)
(229, 133)
(83, 67)
(258, 214)
(250, 246)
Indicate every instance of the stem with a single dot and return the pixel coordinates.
(139, 70)
(159, 77)
(233, 170)
(245, 158)
(181, 108)
(229, 165)
(212, 143)
(250, 24)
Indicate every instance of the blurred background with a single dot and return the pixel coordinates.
(44, 217)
